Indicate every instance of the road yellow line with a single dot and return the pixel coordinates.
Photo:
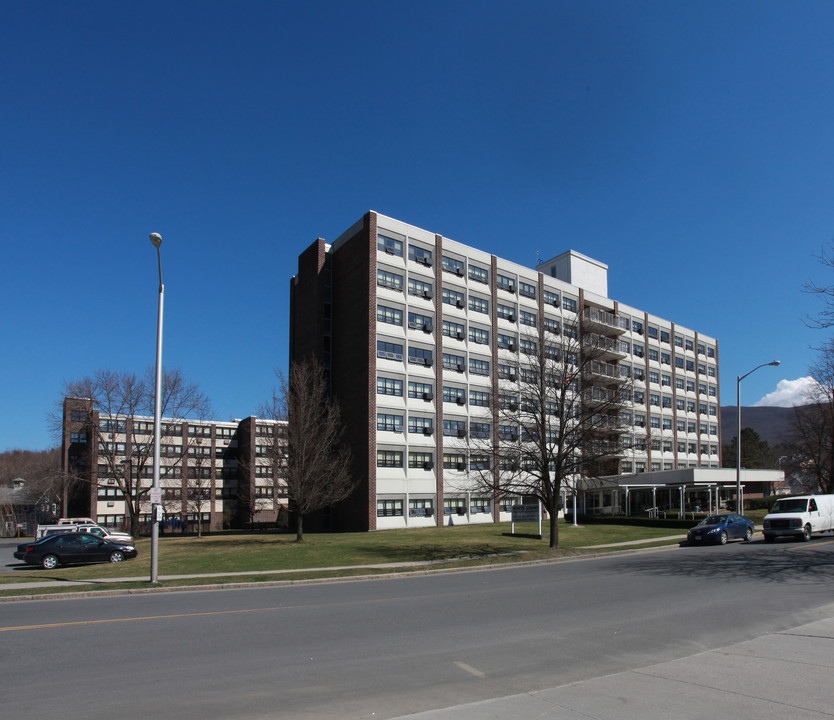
(140, 619)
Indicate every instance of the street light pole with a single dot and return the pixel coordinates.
(156, 240)
(739, 501)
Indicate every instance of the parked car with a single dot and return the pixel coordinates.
(720, 529)
(73, 547)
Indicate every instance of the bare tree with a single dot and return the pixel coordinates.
(812, 438)
(825, 318)
(123, 444)
(313, 459)
(556, 418)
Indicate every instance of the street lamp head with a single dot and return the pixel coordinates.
(156, 239)
(775, 362)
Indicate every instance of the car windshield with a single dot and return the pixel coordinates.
(790, 505)
(712, 520)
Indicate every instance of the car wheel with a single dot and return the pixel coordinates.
(117, 556)
(806, 533)
(748, 535)
(723, 538)
(49, 562)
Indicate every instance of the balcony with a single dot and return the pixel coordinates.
(602, 347)
(601, 321)
(604, 371)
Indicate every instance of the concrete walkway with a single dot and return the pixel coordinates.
(781, 675)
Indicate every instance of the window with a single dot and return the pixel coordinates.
(478, 274)
(552, 325)
(569, 304)
(507, 342)
(479, 462)
(479, 429)
(711, 352)
(420, 425)
(678, 341)
(666, 401)
(479, 398)
(78, 437)
(654, 422)
(689, 344)
(654, 377)
(508, 402)
(679, 362)
(526, 289)
(653, 355)
(527, 318)
(454, 461)
(528, 347)
(419, 288)
(419, 356)
(453, 266)
(421, 508)
(667, 425)
(389, 423)
(664, 336)
(505, 372)
(420, 390)
(506, 312)
(389, 458)
(505, 283)
(115, 426)
(453, 297)
(419, 322)
(390, 386)
(454, 362)
(389, 245)
(453, 330)
(422, 460)
(79, 416)
(389, 315)
(665, 358)
(389, 508)
(454, 506)
(420, 255)
(389, 350)
(508, 432)
(389, 280)
(637, 350)
(637, 327)
(454, 395)
(478, 367)
(478, 335)
(454, 428)
(551, 298)
(477, 304)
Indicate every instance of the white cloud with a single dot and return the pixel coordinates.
(789, 393)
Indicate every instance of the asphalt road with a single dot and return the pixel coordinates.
(390, 647)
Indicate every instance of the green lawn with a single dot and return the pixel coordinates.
(255, 553)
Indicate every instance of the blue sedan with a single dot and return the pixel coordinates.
(721, 528)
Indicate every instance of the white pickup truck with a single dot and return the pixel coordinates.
(88, 527)
(799, 517)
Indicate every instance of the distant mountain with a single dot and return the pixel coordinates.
(772, 423)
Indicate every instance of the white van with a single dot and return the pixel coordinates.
(799, 517)
(92, 528)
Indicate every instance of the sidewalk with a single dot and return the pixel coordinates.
(779, 675)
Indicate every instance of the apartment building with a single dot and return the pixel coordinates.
(218, 474)
(418, 333)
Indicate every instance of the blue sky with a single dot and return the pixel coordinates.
(687, 145)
